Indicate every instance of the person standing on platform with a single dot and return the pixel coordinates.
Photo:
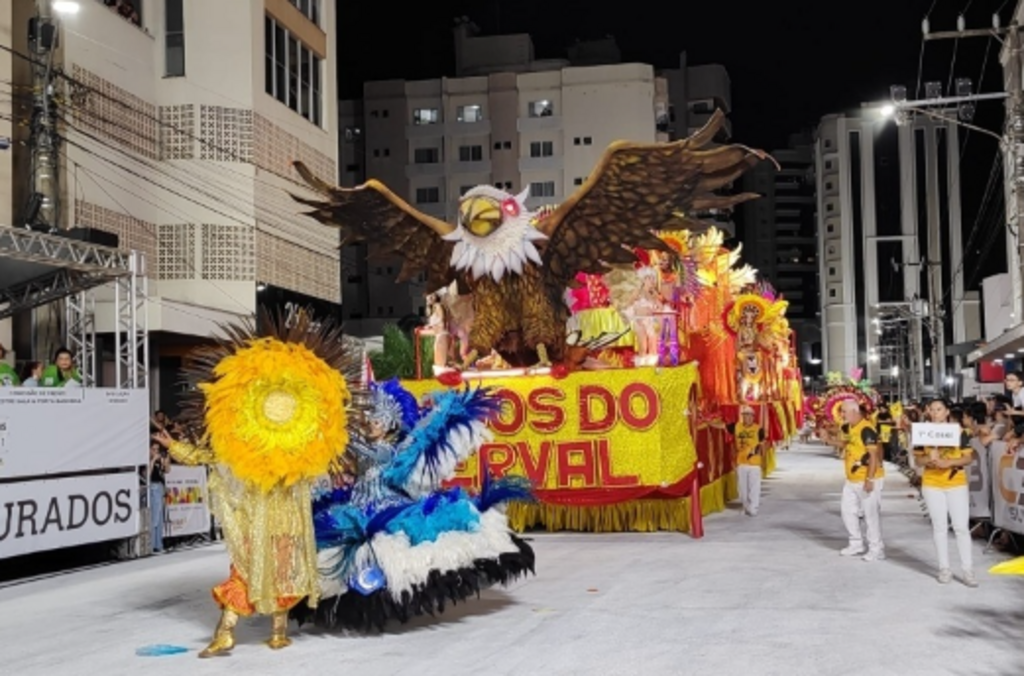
(945, 491)
(862, 493)
(749, 438)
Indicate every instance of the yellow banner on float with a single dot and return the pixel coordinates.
(594, 436)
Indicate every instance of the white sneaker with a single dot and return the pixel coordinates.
(875, 555)
(945, 576)
(969, 578)
(852, 550)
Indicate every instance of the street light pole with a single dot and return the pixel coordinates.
(1014, 135)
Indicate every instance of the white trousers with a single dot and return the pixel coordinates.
(856, 501)
(945, 506)
(750, 487)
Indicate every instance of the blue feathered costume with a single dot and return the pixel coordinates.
(395, 544)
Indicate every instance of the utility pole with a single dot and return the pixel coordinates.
(44, 203)
(1014, 141)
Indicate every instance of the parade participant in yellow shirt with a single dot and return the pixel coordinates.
(749, 439)
(862, 493)
(945, 492)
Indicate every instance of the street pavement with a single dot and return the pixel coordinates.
(755, 597)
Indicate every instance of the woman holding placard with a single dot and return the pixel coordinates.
(945, 492)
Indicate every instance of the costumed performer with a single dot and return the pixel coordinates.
(396, 544)
(275, 404)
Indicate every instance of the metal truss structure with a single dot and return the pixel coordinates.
(55, 267)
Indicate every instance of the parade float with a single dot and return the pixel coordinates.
(825, 410)
(608, 329)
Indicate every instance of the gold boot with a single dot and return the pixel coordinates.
(279, 631)
(224, 637)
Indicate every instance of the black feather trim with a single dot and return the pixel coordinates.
(366, 613)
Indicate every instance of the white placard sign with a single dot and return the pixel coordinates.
(37, 516)
(1007, 487)
(51, 431)
(187, 502)
(942, 435)
(979, 481)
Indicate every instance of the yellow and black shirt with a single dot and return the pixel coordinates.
(859, 437)
(748, 443)
(953, 477)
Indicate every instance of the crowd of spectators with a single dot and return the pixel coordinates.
(61, 372)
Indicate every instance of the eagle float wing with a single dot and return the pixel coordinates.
(635, 190)
(390, 226)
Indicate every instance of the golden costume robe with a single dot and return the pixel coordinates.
(269, 536)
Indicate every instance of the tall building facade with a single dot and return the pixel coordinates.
(780, 239)
(890, 239)
(179, 120)
(507, 120)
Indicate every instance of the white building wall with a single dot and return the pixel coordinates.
(195, 170)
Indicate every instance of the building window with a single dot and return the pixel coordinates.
(353, 134)
(506, 145)
(578, 180)
(309, 8)
(832, 293)
(425, 116)
(577, 141)
(542, 189)
(587, 141)
(426, 156)
(497, 145)
(542, 149)
(830, 207)
(428, 195)
(351, 168)
(470, 113)
(828, 143)
(464, 189)
(542, 108)
(174, 41)
(508, 185)
(387, 152)
(471, 153)
(293, 72)
(828, 185)
(831, 272)
(828, 164)
(830, 229)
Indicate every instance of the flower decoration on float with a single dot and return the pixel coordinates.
(275, 404)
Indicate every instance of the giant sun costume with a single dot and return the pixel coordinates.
(395, 543)
(275, 404)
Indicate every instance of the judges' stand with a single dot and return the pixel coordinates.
(71, 459)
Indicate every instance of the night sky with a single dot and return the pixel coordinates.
(790, 61)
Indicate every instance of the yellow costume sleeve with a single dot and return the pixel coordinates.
(187, 454)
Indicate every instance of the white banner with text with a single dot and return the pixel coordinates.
(188, 503)
(1007, 487)
(62, 431)
(942, 435)
(38, 516)
(979, 477)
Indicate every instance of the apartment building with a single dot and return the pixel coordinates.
(179, 121)
(508, 120)
(780, 239)
(890, 239)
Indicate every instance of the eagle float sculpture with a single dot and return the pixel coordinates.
(517, 263)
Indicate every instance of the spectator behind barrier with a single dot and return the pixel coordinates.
(31, 373)
(8, 376)
(61, 373)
